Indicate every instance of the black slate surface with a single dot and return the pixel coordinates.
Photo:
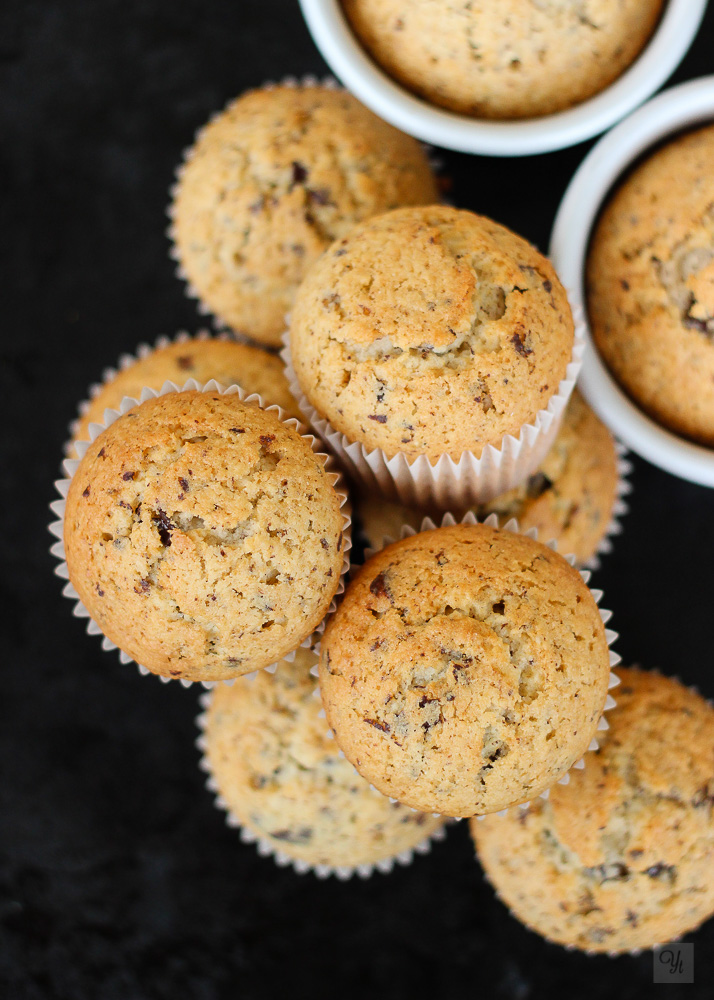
(118, 878)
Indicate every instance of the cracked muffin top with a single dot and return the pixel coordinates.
(283, 777)
(622, 857)
(510, 59)
(650, 285)
(466, 669)
(226, 361)
(569, 499)
(271, 182)
(203, 536)
(430, 330)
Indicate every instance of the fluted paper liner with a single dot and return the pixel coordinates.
(591, 953)
(266, 849)
(330, 83)
(511, 525)
(57, 507)
(126, 360)
(446, 483)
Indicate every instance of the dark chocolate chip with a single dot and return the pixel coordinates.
(519, 344)
(165, 527)
(381, 418)
(378, 725)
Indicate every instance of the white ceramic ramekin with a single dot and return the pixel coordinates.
(682, 107)
(354, 67)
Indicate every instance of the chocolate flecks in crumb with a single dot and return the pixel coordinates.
(142, 587)
(302, 836)
(185, 362)
(382, 726)
(379, 587)
(662, 871)
(184, 484)
(537, 484)
(625, 285)
(299, 172)
(321, 196)
(520, 346)
(165, 527)
(126, 476)
(267, 439)
(704, 796)
(324, 543)
(548, 285)
(237, 430)
(86, 492)
(99, 590)
(381, 418)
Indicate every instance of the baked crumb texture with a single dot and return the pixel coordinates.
(270, 183)
(511, 59)
(466, 669)
(203, 535)
(278, 772)
(622, 858)
(202, 358)
(429, 331)
(650, 285)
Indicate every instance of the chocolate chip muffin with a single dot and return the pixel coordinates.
(511, 59)
(200, 358)
(570, 499)
(466, 669)
(204, 536)
(282, 777)
(650, 285)
(430, 330)
(622, 857)
(270, 183)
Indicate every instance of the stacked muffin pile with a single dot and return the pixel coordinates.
(466, 670)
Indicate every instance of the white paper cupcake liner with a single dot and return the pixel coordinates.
(266, 849)
(126, 360)
(71, 465)
(220, 324)
(511, 525)
(448, 484)
(571, 947)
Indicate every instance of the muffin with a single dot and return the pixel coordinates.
(570, 499)
(511, 59)
(281, 776)
(650, 285)
(430, 331)
(201, 358)
(203, 536)
(622, 857)
(466, 669)
(270, 183)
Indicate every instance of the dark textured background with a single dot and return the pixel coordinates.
(118, 878)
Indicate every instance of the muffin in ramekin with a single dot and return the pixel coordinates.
(507, 60)
(650, 285)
